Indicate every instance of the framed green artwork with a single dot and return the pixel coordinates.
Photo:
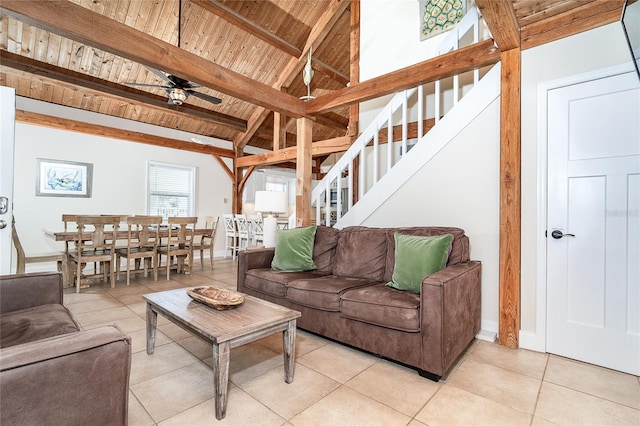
(438, 16)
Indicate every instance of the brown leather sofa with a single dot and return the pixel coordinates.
(52, 371)
(346, 298)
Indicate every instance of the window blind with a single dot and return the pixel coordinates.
(170, 190)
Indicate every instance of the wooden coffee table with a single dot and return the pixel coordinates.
(252, 320)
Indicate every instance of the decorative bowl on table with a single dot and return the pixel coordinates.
(217, 298)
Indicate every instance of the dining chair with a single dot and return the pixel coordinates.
(23, 259)
(180, 242)
(244, 235)
(231, 235)
(206, 241)
(256, 228)
(95, 243)
(143, 236)
(69, 222)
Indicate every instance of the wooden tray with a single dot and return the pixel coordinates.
(217, 298)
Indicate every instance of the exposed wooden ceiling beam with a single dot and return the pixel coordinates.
(328, 146)
(295, 66)
(111, 132)
(73, 80)
(236, 19)
(267, 36)
(456, 62)
(500, 17)
(582, 18)
(334, 123)
(80, 24)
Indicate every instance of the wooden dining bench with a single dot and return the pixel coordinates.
(59, 257)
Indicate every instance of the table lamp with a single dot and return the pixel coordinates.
(270, 203)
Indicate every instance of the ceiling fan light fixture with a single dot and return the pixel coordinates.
(177, 96)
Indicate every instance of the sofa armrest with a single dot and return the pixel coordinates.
(39, 380)
(253, 259)
(450, 302)
(23, 291)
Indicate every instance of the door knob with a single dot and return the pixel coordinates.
(557, 234)
(3, 224)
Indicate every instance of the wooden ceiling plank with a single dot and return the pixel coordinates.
(457, 62)
(577, 20)
(111, 132)
(295, 65)
(501, 19)
(130, 94)
(236, 19)
(75, 22)
(231, 16)
(329, 146)
(325, 120)
(546, 10)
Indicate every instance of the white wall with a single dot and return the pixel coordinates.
(592, 50)
(119, 175)
(463, 177)
(459, 187)
(390, 40)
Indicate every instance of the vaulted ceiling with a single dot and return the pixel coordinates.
(86, 53)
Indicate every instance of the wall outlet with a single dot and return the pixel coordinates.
(224, 200)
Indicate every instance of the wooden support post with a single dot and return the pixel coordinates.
(354, 65)
(303, 172)
(510, 198)
(279, 131)
(236, 201)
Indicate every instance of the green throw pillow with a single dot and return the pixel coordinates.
(294, 249)
(417, 258)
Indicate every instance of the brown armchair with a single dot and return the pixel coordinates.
(52, 371)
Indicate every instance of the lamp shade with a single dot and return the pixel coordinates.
(271, 202)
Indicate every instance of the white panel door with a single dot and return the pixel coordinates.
(593, 241)
(7, 130)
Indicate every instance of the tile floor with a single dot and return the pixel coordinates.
(336, 385)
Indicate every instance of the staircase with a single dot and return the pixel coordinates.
(421, 121)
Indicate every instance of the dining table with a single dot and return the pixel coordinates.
(121, 234)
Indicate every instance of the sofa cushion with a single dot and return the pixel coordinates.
(294, 249)
(272, 282)
(36, 323)
(361, 253)
(459, 247)
(324, 248)
(324, 292)
(416, 258)
(382, 306)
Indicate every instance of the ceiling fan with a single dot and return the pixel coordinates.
(178, 89)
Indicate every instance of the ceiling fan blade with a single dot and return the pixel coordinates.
(204, 97)
(133, 83)
(160, 74)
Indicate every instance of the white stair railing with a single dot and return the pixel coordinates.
(334, 195)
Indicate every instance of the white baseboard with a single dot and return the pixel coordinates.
(488, 331)
(529, 340)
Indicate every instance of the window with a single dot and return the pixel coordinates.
(170, 190)
(276, 186)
